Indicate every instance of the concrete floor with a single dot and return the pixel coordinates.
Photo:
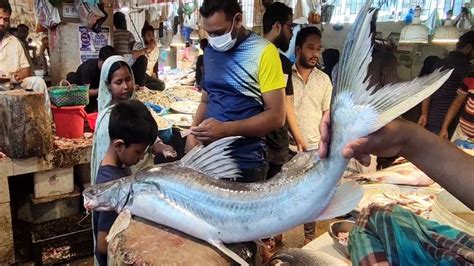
(292, 239)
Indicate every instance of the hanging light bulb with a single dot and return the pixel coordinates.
(194, 34)
(178, 39)
(415, 33)
(448, 33)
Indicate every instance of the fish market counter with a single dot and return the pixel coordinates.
(147, 243)
(65, 154)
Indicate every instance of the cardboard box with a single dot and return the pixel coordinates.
(54, 182)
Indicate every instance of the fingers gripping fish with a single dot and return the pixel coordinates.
(189, 196)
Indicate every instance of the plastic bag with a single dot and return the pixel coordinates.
(91, 16)
(46, 14)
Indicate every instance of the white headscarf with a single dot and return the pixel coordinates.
(105, 96)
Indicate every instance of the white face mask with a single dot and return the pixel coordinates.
(224, 42)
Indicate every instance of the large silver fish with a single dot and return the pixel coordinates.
(187, 196)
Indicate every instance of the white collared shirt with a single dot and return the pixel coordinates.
(12, 55)
(310, 101)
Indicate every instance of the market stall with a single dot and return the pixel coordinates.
(187, 206)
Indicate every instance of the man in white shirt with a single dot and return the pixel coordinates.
(312, 87)
(149, 49)
(13, 60)
(312, 95)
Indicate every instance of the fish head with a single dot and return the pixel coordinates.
(108, 196)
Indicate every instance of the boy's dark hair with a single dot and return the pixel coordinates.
(120, 22)
(5, 5)
(276, 12)
(131, 122)
(304, 33)
(147, 27)
(230, 8)
(106, 52)
(465, 39)
(116, 66)
(23, 26)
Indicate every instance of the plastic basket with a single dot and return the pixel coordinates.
(69, 95)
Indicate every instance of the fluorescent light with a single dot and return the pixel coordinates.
(447, 33)
(194, 35)
(178, 39)
(124, 9)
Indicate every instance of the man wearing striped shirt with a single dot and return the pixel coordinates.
(465, 129)
(435, 108)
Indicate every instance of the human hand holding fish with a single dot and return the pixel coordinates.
(386, 142)
(209, 130)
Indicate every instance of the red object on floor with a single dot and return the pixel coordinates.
(69, 121)
(92, 119)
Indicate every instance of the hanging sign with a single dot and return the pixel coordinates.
(69, 10)
(91, 42)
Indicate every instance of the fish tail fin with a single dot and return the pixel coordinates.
(367, 110)
(378, 108)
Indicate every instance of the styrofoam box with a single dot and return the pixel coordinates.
(54, 182)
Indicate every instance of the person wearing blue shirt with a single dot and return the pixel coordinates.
(132, 130)
(243, 88)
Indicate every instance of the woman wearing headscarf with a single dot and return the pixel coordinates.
(117, 84)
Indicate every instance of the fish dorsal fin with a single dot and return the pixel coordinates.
(346, 198)
(214, 159)
(301, 162)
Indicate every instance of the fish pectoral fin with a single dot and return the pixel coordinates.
(346, 198)
(231, 254)
(214, 159)
(121, 224)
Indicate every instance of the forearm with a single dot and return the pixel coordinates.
(137, 53)
(200, 113)
(24, 72)
(258, 125)
(293, 121)
(93, 92)
(453, 111)
(425, 106)
(442, 161)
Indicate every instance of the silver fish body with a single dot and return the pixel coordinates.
(217, 210)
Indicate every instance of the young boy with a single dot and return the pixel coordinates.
(132, 129)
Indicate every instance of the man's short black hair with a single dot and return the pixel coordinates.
(276, 12)
(131, 122)
(106, 52)
(147, 27)
(304, 33)
(465, 39)
(5, 5)
(230, 8)
(120, 22)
